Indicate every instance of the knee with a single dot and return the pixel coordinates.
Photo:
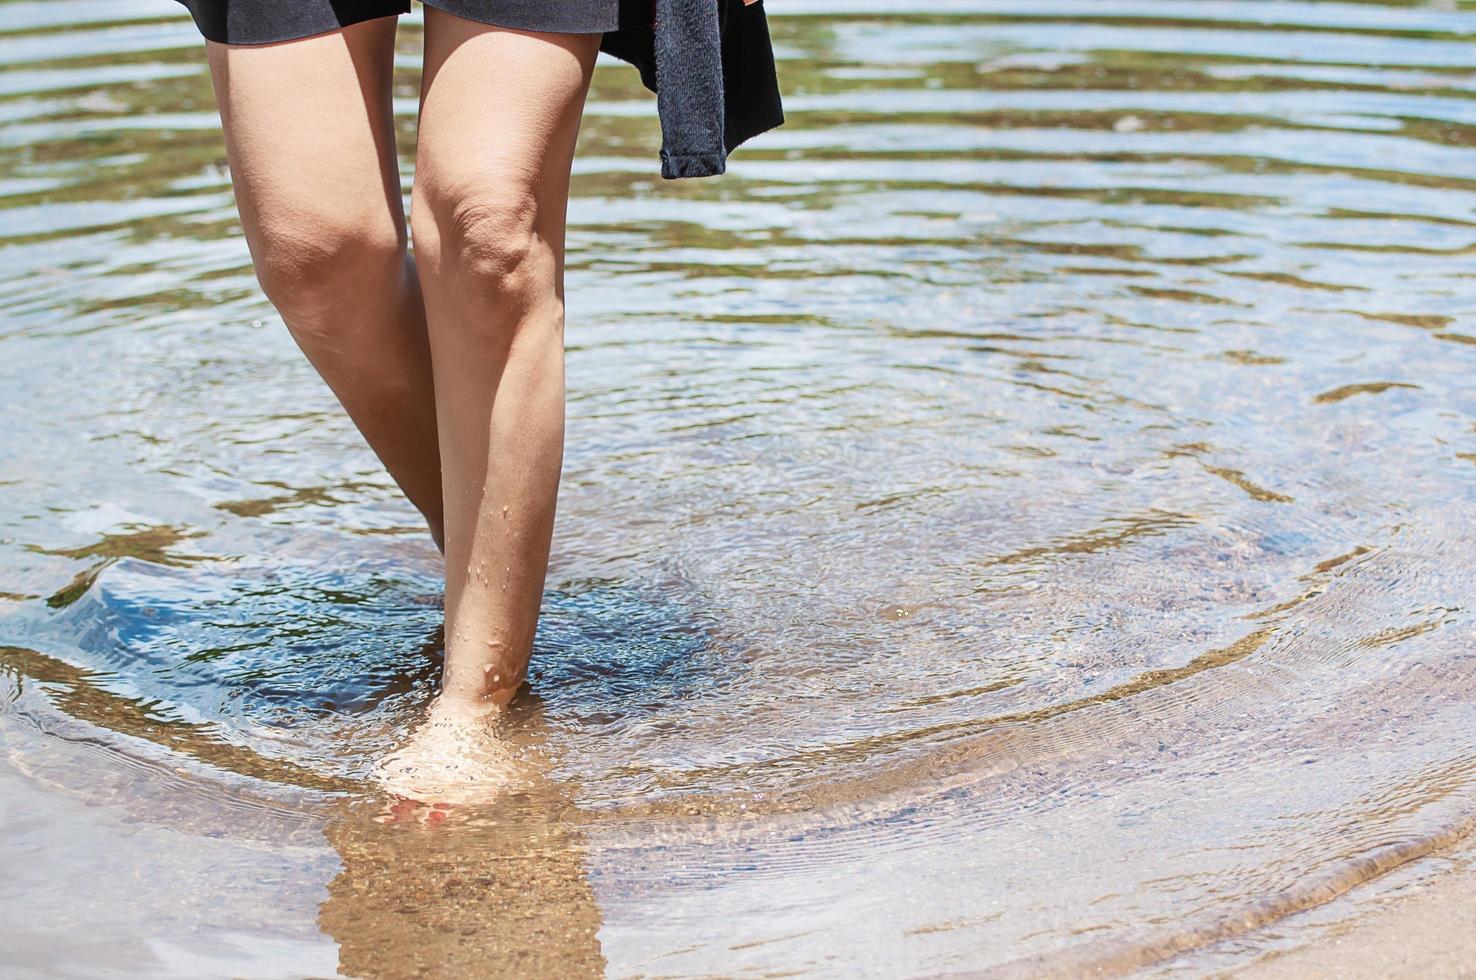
(493, 242)
(487, 244)
(317, 269)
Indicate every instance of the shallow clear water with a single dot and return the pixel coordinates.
(1021, 518)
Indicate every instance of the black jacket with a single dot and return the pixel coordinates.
(711, 66)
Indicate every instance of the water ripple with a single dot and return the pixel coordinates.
(1037, 480)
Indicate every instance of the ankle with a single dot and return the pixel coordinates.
(448, 707)
(476, 690)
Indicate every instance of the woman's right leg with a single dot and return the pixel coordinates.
(310, 138)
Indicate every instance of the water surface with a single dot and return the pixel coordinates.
(1021, 518)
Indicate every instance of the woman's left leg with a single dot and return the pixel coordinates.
(499, 116)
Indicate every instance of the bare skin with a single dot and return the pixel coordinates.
(499, 115)
(450, 362)
(310, 139)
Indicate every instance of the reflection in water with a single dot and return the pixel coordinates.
(486, 894)
(495, 890)
(1037, 481)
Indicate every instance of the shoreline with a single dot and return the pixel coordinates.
(1426, 928)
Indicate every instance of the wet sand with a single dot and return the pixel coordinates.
(1428, 931)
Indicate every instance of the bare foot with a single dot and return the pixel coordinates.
(456, 756)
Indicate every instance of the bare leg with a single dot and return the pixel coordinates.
(310, 138)
(499, 116)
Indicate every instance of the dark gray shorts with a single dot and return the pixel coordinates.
(265, 21)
